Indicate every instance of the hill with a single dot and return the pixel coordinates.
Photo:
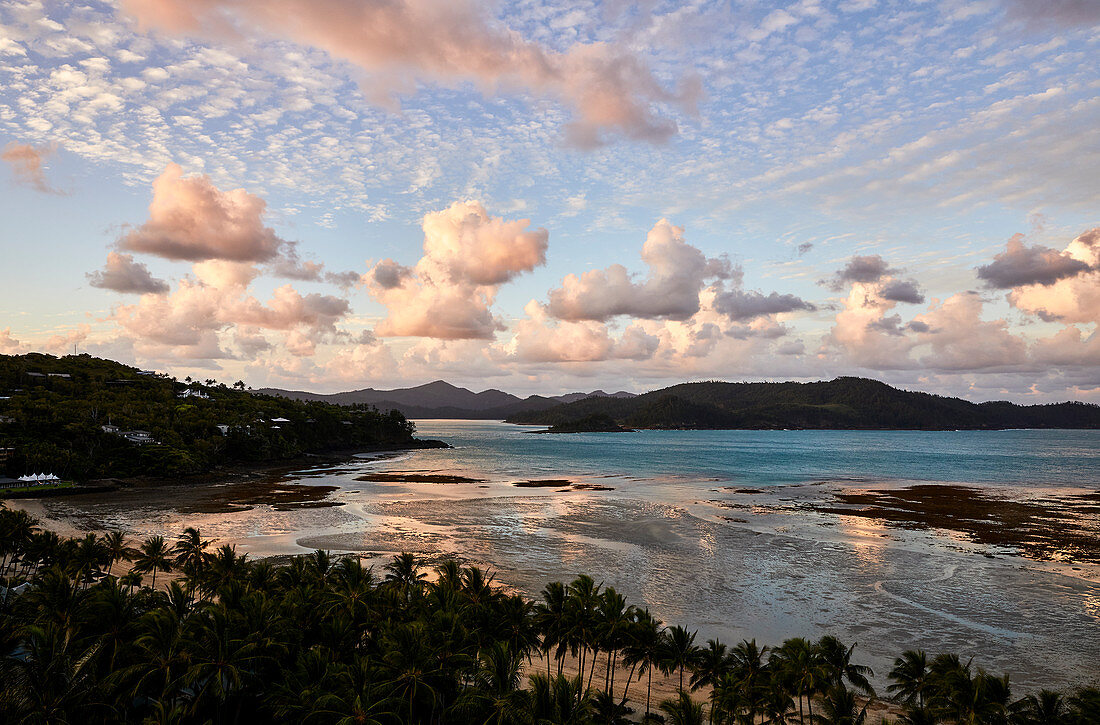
(82, 417)
(440, 399)
(843, 403)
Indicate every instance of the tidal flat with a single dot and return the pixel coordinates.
(736, 534)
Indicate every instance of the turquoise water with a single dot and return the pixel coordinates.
(758, 458)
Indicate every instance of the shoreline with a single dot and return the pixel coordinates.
(225, 473)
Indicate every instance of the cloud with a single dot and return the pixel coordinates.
(738, 304)
(448, 42)
(1073, 298)
(388, 274)
(10, 345)
(27, 165)
(961, 340)
(872, 269)
(449, 293)
(1068, 13)
(191, 219)
(869, 268)
(1020, 265)
(677, 274)
(902, 290)
(539, 338)
(122, 274)
(193, 321)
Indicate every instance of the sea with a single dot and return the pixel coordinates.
(735, 534)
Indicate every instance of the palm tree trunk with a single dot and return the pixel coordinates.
(592, 668)
(649, 690)
(628, 679)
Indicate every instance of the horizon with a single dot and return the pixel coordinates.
(539, 198)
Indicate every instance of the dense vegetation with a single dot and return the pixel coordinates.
(595, 423)
(844, 403)
(55, 423)
(326, 640)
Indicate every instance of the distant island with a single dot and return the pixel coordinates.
(844, 403)
(595, 423)
(80, 418)
(440, 399)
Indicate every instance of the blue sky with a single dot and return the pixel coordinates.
(888, 189)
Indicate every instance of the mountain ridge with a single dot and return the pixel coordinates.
(843, 403)
(440, 399)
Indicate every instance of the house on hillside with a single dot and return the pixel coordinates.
(113, 429)
(139, 437)
(192, 393)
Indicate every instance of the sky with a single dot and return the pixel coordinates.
(544, 197)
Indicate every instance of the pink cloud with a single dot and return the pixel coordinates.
(10, 345)
(677, 274)
(450, 42)
(450, 291)
(27, 165)
(1070, 298)
(191, 219)
(195, 319)
(122, 274)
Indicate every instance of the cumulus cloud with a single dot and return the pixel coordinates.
(191, 219)
(9, 345)
(195, 320)
(739, 304)
(28, 165)
(449, 42)
(873, 270)
(869, 268)
(677, 274)
(1074, 298)
(902, 290)
(388, 274)
(122, 274)
(961, 340)
(1020, 265)
(448, 294)
(539, 338)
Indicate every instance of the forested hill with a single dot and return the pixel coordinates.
(844, 403)
(53, 412)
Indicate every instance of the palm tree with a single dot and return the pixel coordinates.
(550, 620)
(711, 665)
(678, 651)
(644, 651)
(839, 707)
(404, 573)
(582, 607)
(614, 618)
(496, 696)
(749, 670)
(683, 711)
(799, 664)
(190, 556)
(1045, 708)
(560, 701)
(909, 678)
(117, 549)
(54, 681)
(154, 557)
(837, 660)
